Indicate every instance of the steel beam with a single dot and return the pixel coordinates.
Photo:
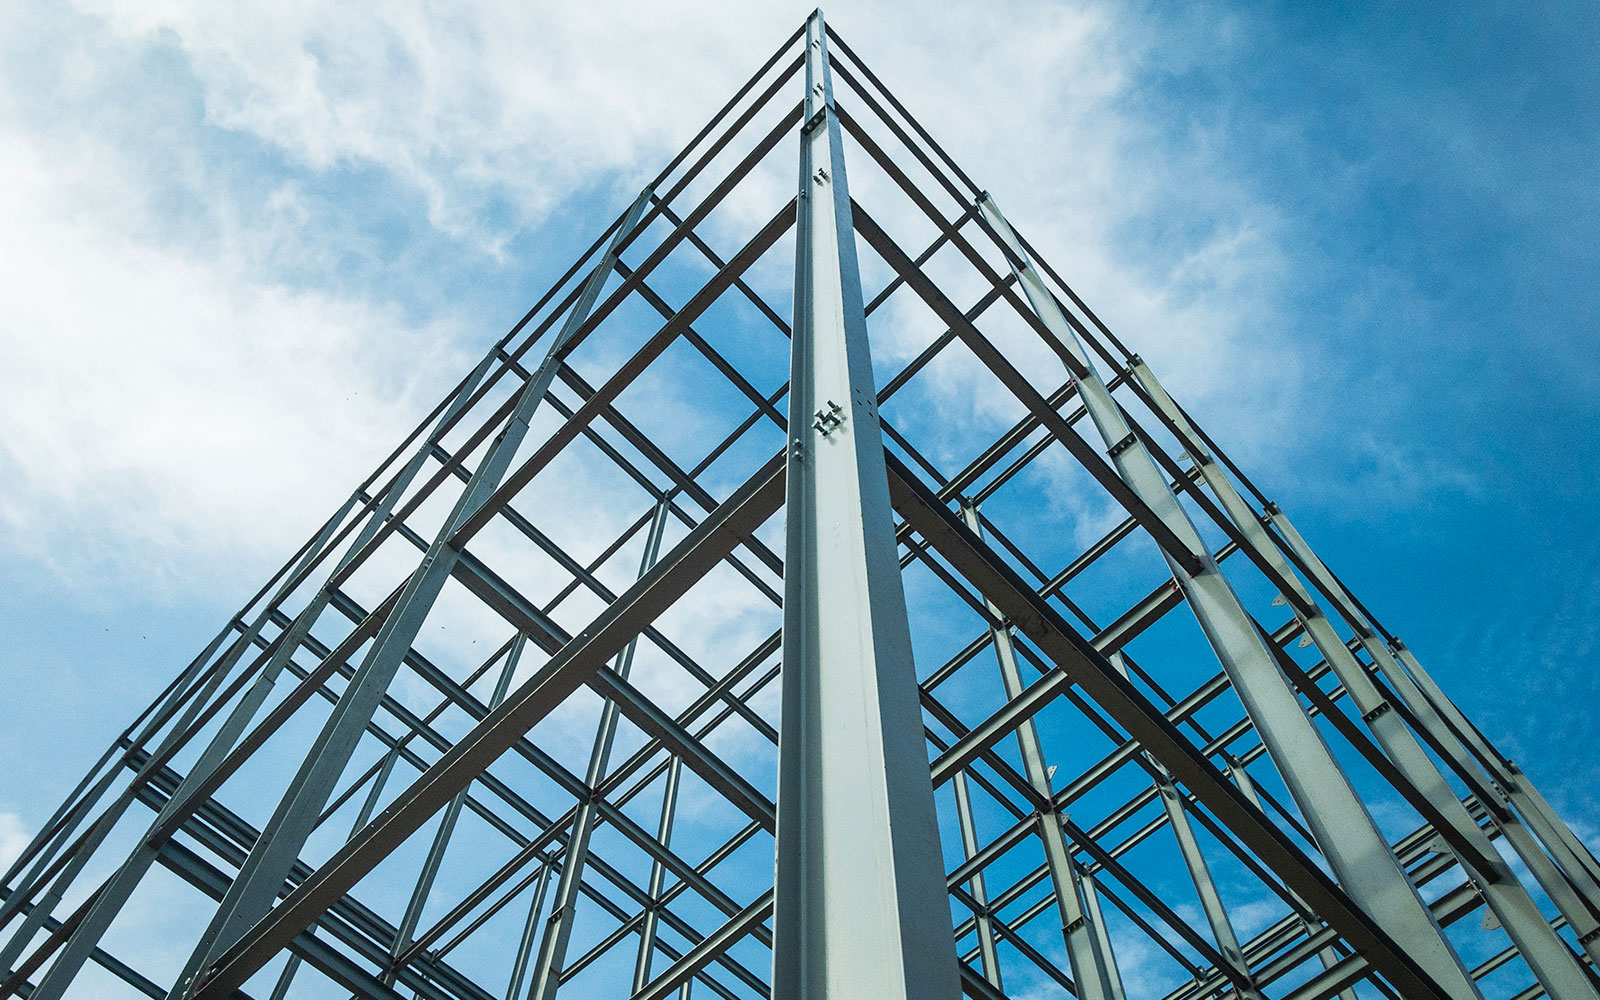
(558, 930)
(860, 905)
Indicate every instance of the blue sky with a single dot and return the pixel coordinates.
(247, 247)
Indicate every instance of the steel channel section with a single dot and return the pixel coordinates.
(1097, 920)
(651, 921)
(1247, 787)
(1089, 963)
(1545, 953)
(441, 838)
(860, 903)
(259, 880)
(558, 930)
(977, 888)
(1344, 831)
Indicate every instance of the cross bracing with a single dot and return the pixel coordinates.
(806, 525)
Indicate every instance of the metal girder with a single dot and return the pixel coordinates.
(1091, 963)
(855, 805)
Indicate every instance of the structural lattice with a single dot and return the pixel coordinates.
(691, 648)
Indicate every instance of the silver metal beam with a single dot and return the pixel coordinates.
(558, 930)
(860, 904)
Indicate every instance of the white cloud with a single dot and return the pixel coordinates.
(163, 402)
(153, 369)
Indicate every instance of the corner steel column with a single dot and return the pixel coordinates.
(558, 930)
(1544, 952)
(860, 905)
(1083, 946)
(1357, 852)
(262, 875)
(1194, 859)
(977, 886)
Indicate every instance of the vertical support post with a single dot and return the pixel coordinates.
(558, 930)
(1355, 849)
(977, 887)
(1102, 936)
(1544, 952)
(658, 873)
(860, 907)
(530, 932)
(1083, 947)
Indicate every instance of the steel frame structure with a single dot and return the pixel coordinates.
(1073, 789)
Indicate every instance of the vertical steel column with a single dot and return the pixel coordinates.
(369, 805)
(1083, 948)
(441, 836)
(1544, 952)
(658, 874)
(1194, 859)
(530, 931)
(1345, 833)
(860, 907)
(1328, 956)
(558, 929)
(262, 875)
(988, 955)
